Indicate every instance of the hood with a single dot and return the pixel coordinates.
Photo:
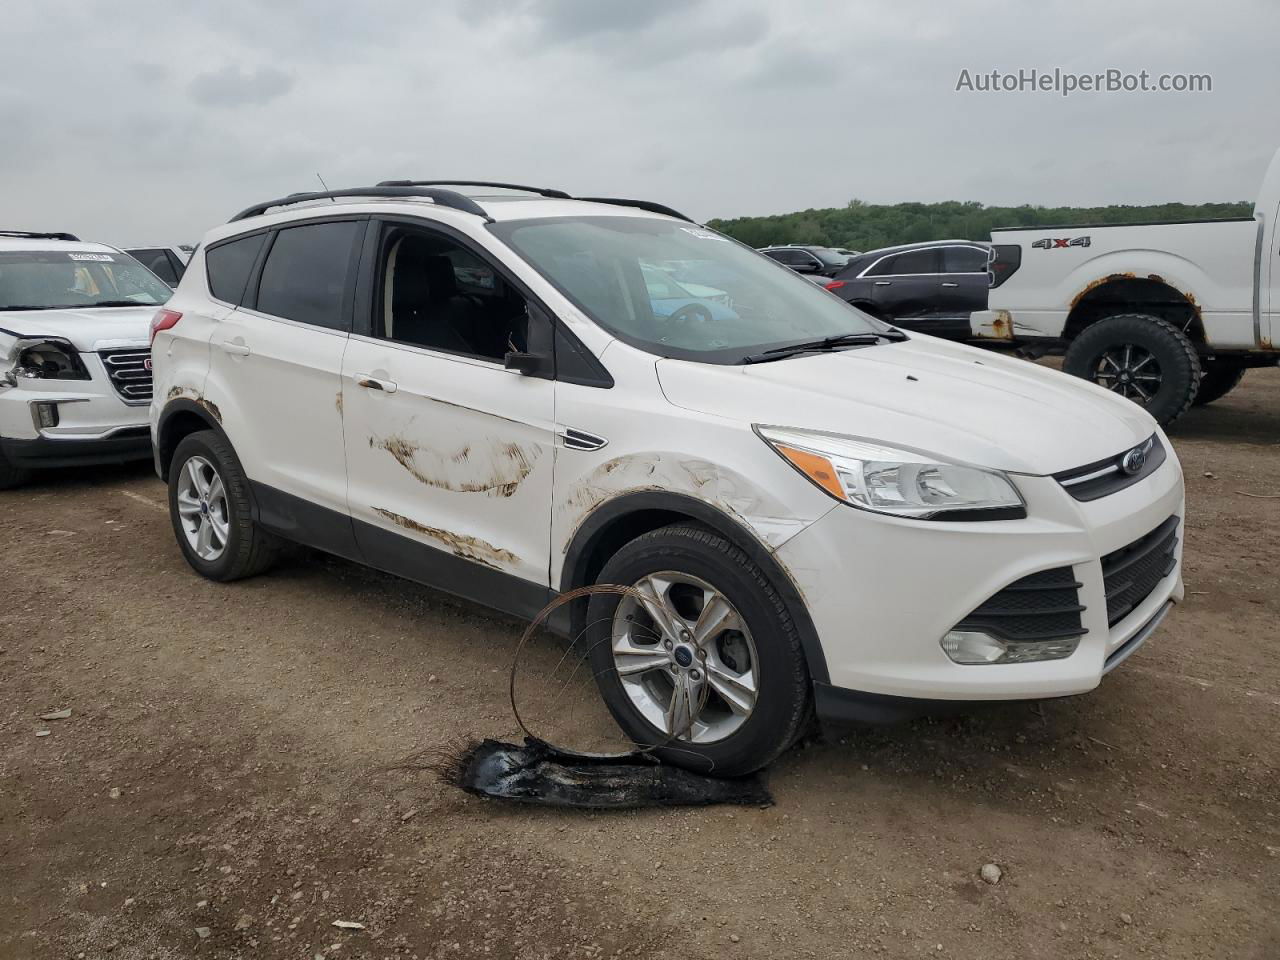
(88, 329)
(927, 394)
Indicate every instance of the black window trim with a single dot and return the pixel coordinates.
(867, 274)
(584, 368)
(249, 299)
(253, 270)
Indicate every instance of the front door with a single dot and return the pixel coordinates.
(449, 454)
(904, 287)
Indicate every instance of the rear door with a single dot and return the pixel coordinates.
(449, 454)
(275, 377)
(962, 289)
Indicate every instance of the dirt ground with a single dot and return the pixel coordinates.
(232, 768)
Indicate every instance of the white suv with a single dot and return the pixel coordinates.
(75, 369)
(821, 512)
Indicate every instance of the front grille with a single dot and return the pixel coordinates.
(1105, 477)
(130, 373)
(1131, 573)
(1043, 606)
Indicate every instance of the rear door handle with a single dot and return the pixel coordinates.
(949, 284)
(373, 383)
(237, 348)
(884, 283)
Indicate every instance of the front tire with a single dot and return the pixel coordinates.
(11, 476)
(1220, 378)
(211, 512)
(1141, 357)
(709, 669)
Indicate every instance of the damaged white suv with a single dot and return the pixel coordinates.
(75, 370)
(515, 395)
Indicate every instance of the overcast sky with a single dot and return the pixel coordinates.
(133, 122)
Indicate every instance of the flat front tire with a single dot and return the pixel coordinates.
(1143, 358)
(211, 511)
(707, 668)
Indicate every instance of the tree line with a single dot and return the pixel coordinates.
(869, 226)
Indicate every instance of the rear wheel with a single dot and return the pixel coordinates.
(1143, 358)
(11, 476)
(211, 512)
(1220, 378)
(708, 667)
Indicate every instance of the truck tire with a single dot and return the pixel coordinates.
(1141, 357)
(11, 476)
(1220, 378)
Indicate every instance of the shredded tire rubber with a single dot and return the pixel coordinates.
(537, 773)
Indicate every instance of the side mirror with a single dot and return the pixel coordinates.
(529, 364)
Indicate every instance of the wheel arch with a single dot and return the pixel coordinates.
(620, 520)
(1131, 293)
(179, 419)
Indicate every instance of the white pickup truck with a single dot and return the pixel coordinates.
(1167, 314)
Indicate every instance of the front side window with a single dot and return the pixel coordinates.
(438, 294)
(157, 261)
(679, 290)
(51, 280)
(305, 277)
(916, 262)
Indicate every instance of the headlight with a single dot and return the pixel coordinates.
(902, 483)
(38, 358)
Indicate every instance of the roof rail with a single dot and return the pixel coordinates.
(35, 235)
(639, 205)
(541, 191)
(444, 198)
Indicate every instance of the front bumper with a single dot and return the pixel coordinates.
(122, 446)
(883, 591)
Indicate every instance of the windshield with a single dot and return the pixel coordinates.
(680, 290)
(52, 279)
(832, 258)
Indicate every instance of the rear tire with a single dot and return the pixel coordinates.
(209, 494)
(759, 646)
(1220, 378)
(1141, 357)
(11, 476)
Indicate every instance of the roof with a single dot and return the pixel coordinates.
(42, 244)
(498, 207)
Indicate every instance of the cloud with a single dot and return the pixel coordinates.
(234, 87)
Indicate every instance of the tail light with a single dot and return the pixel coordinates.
(1006, 258)
(164, 320)
(833, 285)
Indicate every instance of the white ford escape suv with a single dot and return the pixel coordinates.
(75, 373)
(512, 396)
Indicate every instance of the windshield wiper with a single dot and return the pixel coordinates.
(119, 303)
(826, 343)
(22, 306)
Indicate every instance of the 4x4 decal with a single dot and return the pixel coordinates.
(1057, 243)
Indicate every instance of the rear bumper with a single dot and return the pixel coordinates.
(129, 443)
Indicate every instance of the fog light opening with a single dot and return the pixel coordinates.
(973, 647)
(45, 415)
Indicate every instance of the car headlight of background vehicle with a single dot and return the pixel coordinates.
(38, 358)
(901, 483)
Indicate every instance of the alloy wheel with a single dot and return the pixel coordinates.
(203, 509)
(685, 657)
(1129, 370)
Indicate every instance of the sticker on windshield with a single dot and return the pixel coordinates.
(99, 257)
(703, 234)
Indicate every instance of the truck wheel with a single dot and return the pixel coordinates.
(1141, 357)
(11, 476)
(211, 513)
(709, 667)
(1220, 378)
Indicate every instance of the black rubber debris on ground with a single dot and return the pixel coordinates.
(538, 773)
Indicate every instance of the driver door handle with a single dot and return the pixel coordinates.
(947, 283)
(373, 383)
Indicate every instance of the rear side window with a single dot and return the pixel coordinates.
(158, 263)
(228, 266)
(964, 260)
(306, 274)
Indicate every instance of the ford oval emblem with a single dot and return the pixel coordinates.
(1133, 461)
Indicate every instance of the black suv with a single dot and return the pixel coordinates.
(930, 287)
(821, 261)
